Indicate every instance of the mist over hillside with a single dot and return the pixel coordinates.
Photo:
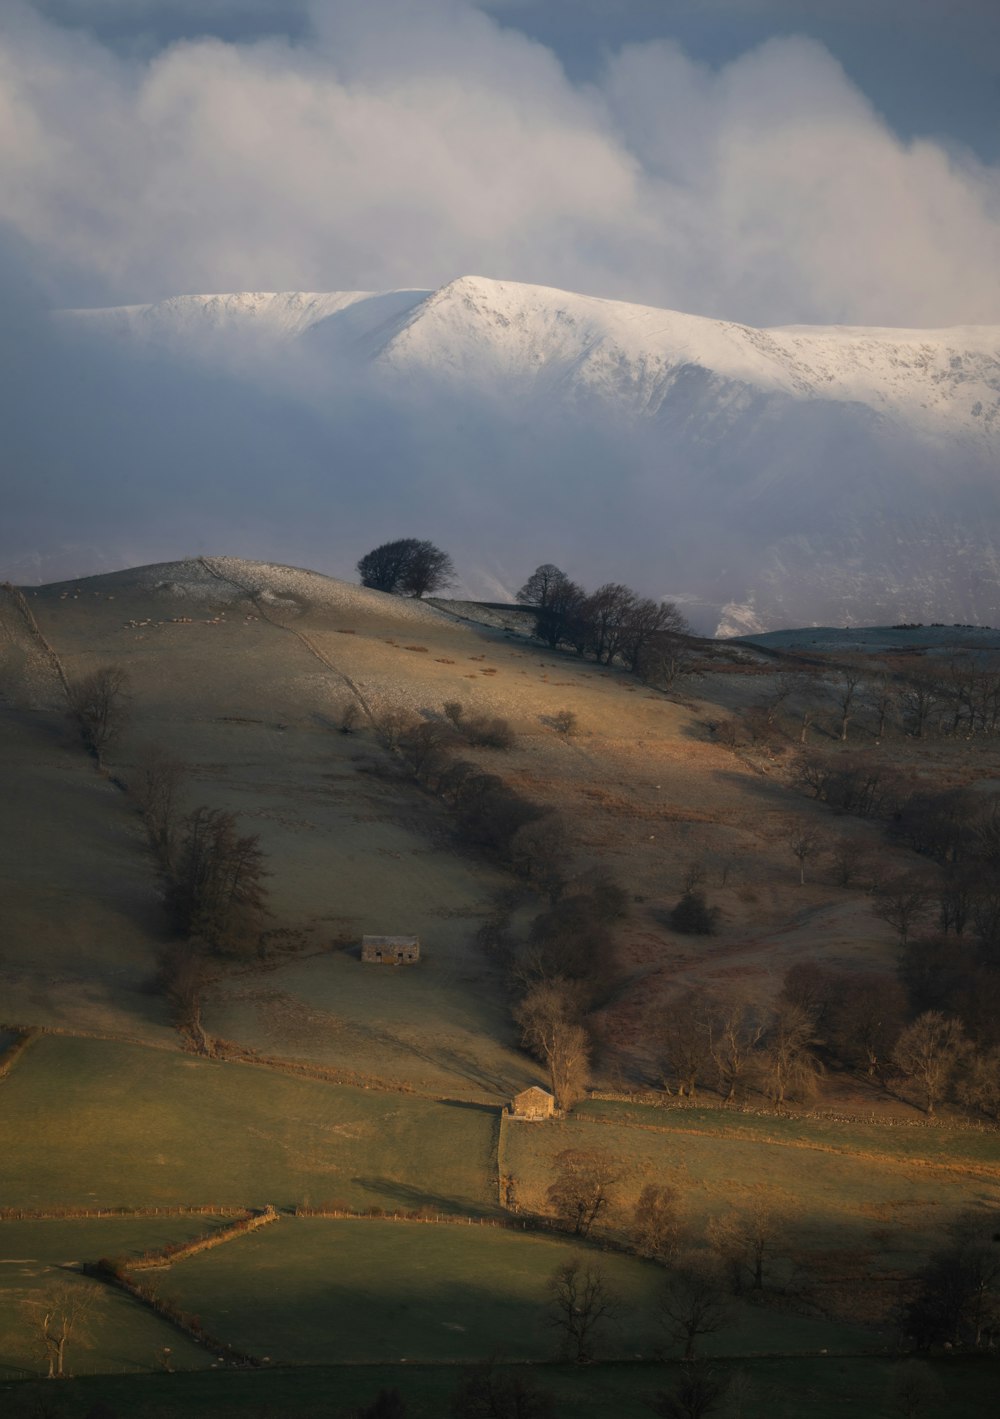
(760, 477)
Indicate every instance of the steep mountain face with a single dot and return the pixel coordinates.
(796, 474)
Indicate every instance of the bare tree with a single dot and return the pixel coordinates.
(848, 855)
(698, 1393)
(735, 1025)
(682, 1033)
(542, 587)
(541, 852)
(217, 890)
(581, 1303)
(424, 744)
(805, 843)
(156, 787)
(746, 1239)
(100, 704)
(583, 1187)
(927, 1055)
(980, 1084)
(885, 700)
(488, 1391)
(864, 1017)
(902, 901)
(846, 686)
(392, 725)
(183, 978)
(694, 876)
(59, 1317)
(692, 1303)
(655, 1230)
(920, 697)
(791, 1068)
(781, 691)
(549, 1017)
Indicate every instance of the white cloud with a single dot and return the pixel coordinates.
(406, 144)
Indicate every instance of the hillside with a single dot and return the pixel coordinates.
(241, 671)
(329, 1153)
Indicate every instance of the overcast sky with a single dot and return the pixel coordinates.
(760, 160)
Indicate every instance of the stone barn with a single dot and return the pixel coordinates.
(533, 1103)
(390, 950)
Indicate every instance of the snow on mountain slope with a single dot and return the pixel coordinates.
(477, 331)
(778, 476)
(271, 316)
(941, 380)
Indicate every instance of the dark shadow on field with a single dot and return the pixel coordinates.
(493, 1109)
(409, 1197)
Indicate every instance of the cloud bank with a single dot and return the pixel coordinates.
(397, 144)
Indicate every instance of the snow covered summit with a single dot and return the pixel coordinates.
(771, 476)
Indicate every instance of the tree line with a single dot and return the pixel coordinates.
(612, 625)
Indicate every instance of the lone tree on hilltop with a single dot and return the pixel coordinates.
(406, 567)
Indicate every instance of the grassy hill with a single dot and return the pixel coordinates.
(359, 1087)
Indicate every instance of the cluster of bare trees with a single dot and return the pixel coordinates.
(729, 1042)
(559, 973)
(613, 625)
(858, 1021)
(871, 699)
(741, 1253)
(563, 965)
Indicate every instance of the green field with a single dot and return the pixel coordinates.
(312, 1291)
(896, 1209)
(945, 1144)
(34, 1257)
(94, 1122)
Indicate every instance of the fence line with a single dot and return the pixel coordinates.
(72, 1214)
(652, 1099)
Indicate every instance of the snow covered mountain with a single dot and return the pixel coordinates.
(768, 476)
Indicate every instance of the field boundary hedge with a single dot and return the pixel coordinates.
(654, 1099)
(180, 1251)
(112, 1274)
(505, 1222)
(16, 1048)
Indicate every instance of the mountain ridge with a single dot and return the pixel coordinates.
(481, 328)
(835, 474)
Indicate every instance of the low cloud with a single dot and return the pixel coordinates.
(402, 145)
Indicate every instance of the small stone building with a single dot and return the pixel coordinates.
(533, 1103)
(390, 950)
